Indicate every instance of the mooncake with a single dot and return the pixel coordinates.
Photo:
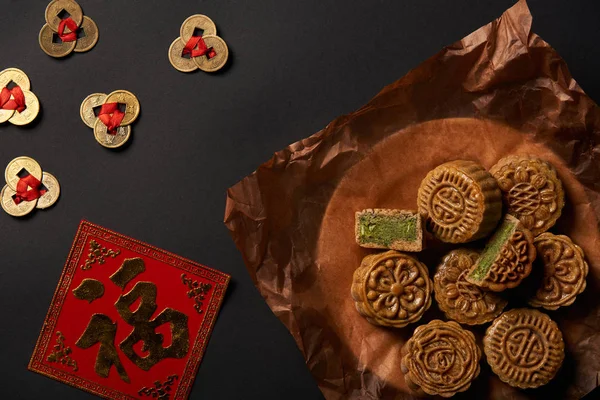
(459, 299)
(524, 347)
(565, 270)
(531, 191)
(389, 229)
(460, 202)
(441, 358)
(506, 259)
(391, 289)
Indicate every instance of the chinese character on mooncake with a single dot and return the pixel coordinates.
(524, 348)
(460, 202)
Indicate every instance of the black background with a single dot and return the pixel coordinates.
(294, 66)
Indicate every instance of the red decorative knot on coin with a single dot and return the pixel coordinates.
(27, 187)
(198, 46)
(441, 358)
(110, 116)
(67, 29)
(12, 99)
(18, 105)
(71, 36)
(391, 289)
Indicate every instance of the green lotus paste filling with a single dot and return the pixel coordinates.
(384, 230)
(492, 248)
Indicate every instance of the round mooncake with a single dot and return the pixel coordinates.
(391, 289)
(441, 358)
(531, 191)
(460, 202)
(524, 348)
(459, 299)
(564, 268)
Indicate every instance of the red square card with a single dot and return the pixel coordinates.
(128, 320)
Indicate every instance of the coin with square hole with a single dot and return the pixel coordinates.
(213, 64)
(87, 35)
(16, 77)
(21, 167)
(178, 61)
(88, 108)
(58, 10)
(5, 115)
(132, 109)
(111, 141)
(7, 196)
(50, 183)
(31, 111)
(197, 25)
(52, 45)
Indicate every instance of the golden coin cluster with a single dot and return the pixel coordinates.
(511, 207)
(67, 29)
(110, 116)
(18, 104)
(198, 46)
(27, 187)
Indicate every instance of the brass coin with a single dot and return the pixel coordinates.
(11, 173)
(5, 115)
(17, 76)
(180, 63)
(57, 50)
(124, 97)
(29, 114)
(51, 196)
(111, 141)
(12, 208)
(86, 111)
(217, 62)
(56, 7)
(198, 21)
(90, 39)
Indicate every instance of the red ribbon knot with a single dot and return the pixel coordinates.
(16, 103)
(111, 116)
(72, 25)
(25, 194)
(197, 47)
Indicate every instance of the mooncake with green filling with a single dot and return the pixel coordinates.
(389, 229)
(506, 259)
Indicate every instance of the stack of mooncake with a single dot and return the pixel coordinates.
(509, 209)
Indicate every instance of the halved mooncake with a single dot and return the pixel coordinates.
(506, 259)
(389, 229)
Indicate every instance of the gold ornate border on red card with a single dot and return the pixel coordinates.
(86, 230)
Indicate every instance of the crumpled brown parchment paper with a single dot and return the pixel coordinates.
(501, 90)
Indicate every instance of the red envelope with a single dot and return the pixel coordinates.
(128, 320)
